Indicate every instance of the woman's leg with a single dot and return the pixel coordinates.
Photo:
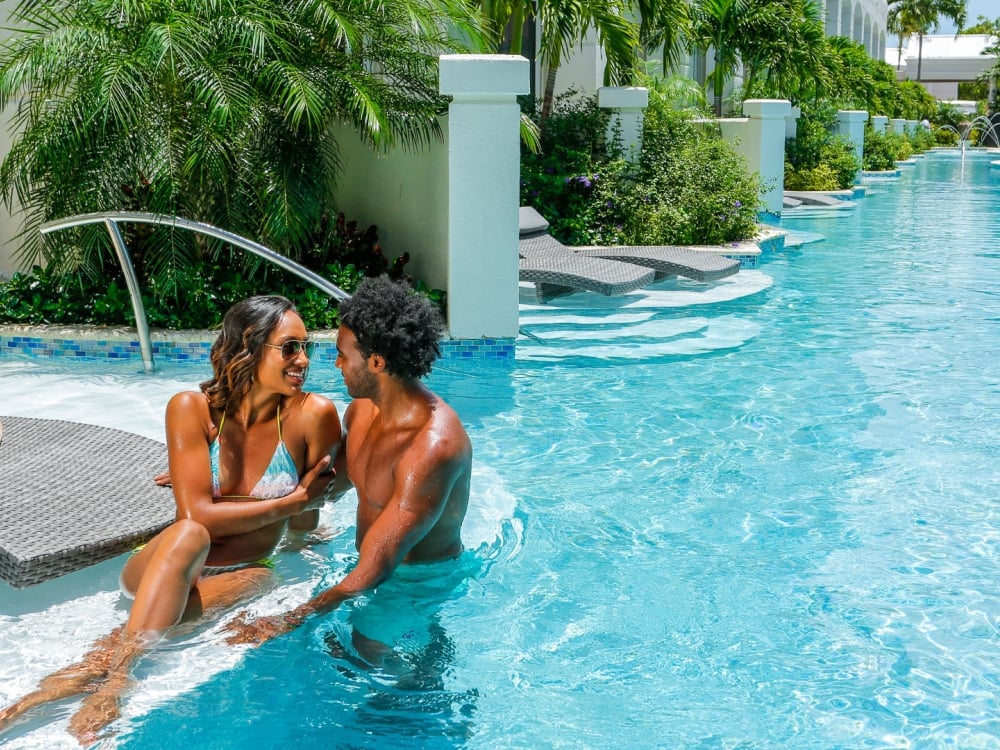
(175, 555)
(161, 576)
(69, 681)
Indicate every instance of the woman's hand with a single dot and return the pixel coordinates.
(316, 482)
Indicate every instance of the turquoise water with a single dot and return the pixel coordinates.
(763, 518)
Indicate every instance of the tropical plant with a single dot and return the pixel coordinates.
(720, 25)
(564, 24)
(779, 43)
(214, 110)
(816, 159)
(663, 25)
(784, 53)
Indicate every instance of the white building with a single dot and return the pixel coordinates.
(942, 61)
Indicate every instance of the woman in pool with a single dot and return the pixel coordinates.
(249, 458)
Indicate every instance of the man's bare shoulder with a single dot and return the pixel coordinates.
(359, 412)
(444, 435)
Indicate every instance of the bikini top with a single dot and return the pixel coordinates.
(280, 477)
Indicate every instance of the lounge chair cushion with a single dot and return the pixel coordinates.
(531, 222)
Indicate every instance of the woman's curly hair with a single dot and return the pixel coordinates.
(239, 348)
(391, 320)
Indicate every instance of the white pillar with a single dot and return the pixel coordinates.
(851, 124)
(627, 105)
(484, 164)
(763, 146)
(898, 125)
(792, 123)
(879, 123)
(911, 126)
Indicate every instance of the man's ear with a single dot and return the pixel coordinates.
(376, 363)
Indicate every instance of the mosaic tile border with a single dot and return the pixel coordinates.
(120, 345)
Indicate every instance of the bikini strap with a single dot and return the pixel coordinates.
(222, 422)
(279, 422)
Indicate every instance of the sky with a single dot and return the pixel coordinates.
(975, 8)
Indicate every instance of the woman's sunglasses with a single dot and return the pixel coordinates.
(292, 347)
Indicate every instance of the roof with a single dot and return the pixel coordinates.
(943, 57)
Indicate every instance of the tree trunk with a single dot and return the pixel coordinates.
(550, 89)
(920, 53)
(717, 85)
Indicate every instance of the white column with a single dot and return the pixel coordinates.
(911, 126)
(484, 166)
(792, 123)
(879, 123)
(851, 124)
(764, 146)
(898, 125)
(627, 105)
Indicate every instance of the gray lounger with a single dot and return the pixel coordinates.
(668, 260)
(72, 495)
(664, 260)
(556, 270)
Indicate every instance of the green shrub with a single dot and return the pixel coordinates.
(558, 180)
(816, 156)
(881, 150)
(344, 255)
(945, 137)
(921, 140)
(823, 178)
(688, 187)
(698, 192)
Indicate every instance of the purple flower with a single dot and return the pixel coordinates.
(737, 204)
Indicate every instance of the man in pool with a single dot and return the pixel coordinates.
(406, 451)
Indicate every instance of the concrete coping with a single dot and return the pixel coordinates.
(622, 97)
(483, 75)
(852, 115)
(765, 109)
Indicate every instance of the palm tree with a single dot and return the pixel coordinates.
(564, 25)
(664, 24)
(722, 26)
(785, 50)
(215, 110)
(922, 16)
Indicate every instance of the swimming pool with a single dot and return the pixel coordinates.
(759, 517)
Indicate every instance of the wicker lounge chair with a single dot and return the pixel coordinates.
(72, 495)
(555, 270)
(664, 260)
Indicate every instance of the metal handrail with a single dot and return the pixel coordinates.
(111, 218)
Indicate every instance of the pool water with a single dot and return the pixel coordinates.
(762, 515)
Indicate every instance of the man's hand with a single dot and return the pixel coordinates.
(259, 630)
